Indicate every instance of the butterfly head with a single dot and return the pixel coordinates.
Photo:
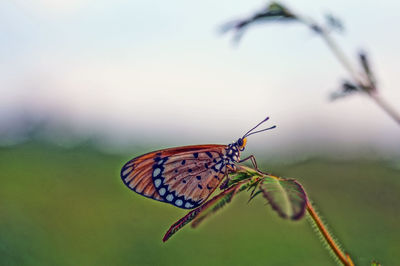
(234, 149)
(241, 143)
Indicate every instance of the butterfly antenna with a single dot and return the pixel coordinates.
(265, 129)
(249, 133)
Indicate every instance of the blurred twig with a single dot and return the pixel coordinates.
(361, 81)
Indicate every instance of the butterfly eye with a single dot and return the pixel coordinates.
(240, 142)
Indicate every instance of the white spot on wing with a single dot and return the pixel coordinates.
(157, 182)
(162, 191)
(178, 202)
(188, 205)
(156, 172)
(170, 197)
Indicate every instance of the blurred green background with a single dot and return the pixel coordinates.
(63, 206)
(86, 85)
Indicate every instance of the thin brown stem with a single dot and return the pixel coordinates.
(344, 258)
(333, 46)
(364, 85)
(359, 80)
(386, 107)
(340, 55)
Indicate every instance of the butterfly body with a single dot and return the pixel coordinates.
(183, 176)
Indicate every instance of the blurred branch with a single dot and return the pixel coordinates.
(273, 12)
(361, 81)
(386, 107)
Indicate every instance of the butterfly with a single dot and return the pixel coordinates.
(185, 176)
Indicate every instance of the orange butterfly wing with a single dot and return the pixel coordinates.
(184, 176)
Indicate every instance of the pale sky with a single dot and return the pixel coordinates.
(158, 72)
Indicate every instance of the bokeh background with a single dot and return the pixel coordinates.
(86, 85)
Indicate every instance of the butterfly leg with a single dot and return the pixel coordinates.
(225, 183)
(253, 161)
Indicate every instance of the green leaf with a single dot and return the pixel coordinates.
(286, 196)
(227, 197)
(254, 194)
(276, 9)
(181, 223)
(241, 174)
(217, 205)
(347, 88)
(364, 61)
(273, 12)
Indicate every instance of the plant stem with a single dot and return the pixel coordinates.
(359, 80)
(340, 55)
(344, 258)
(333, 46)
(348, 66)
(385, 106)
